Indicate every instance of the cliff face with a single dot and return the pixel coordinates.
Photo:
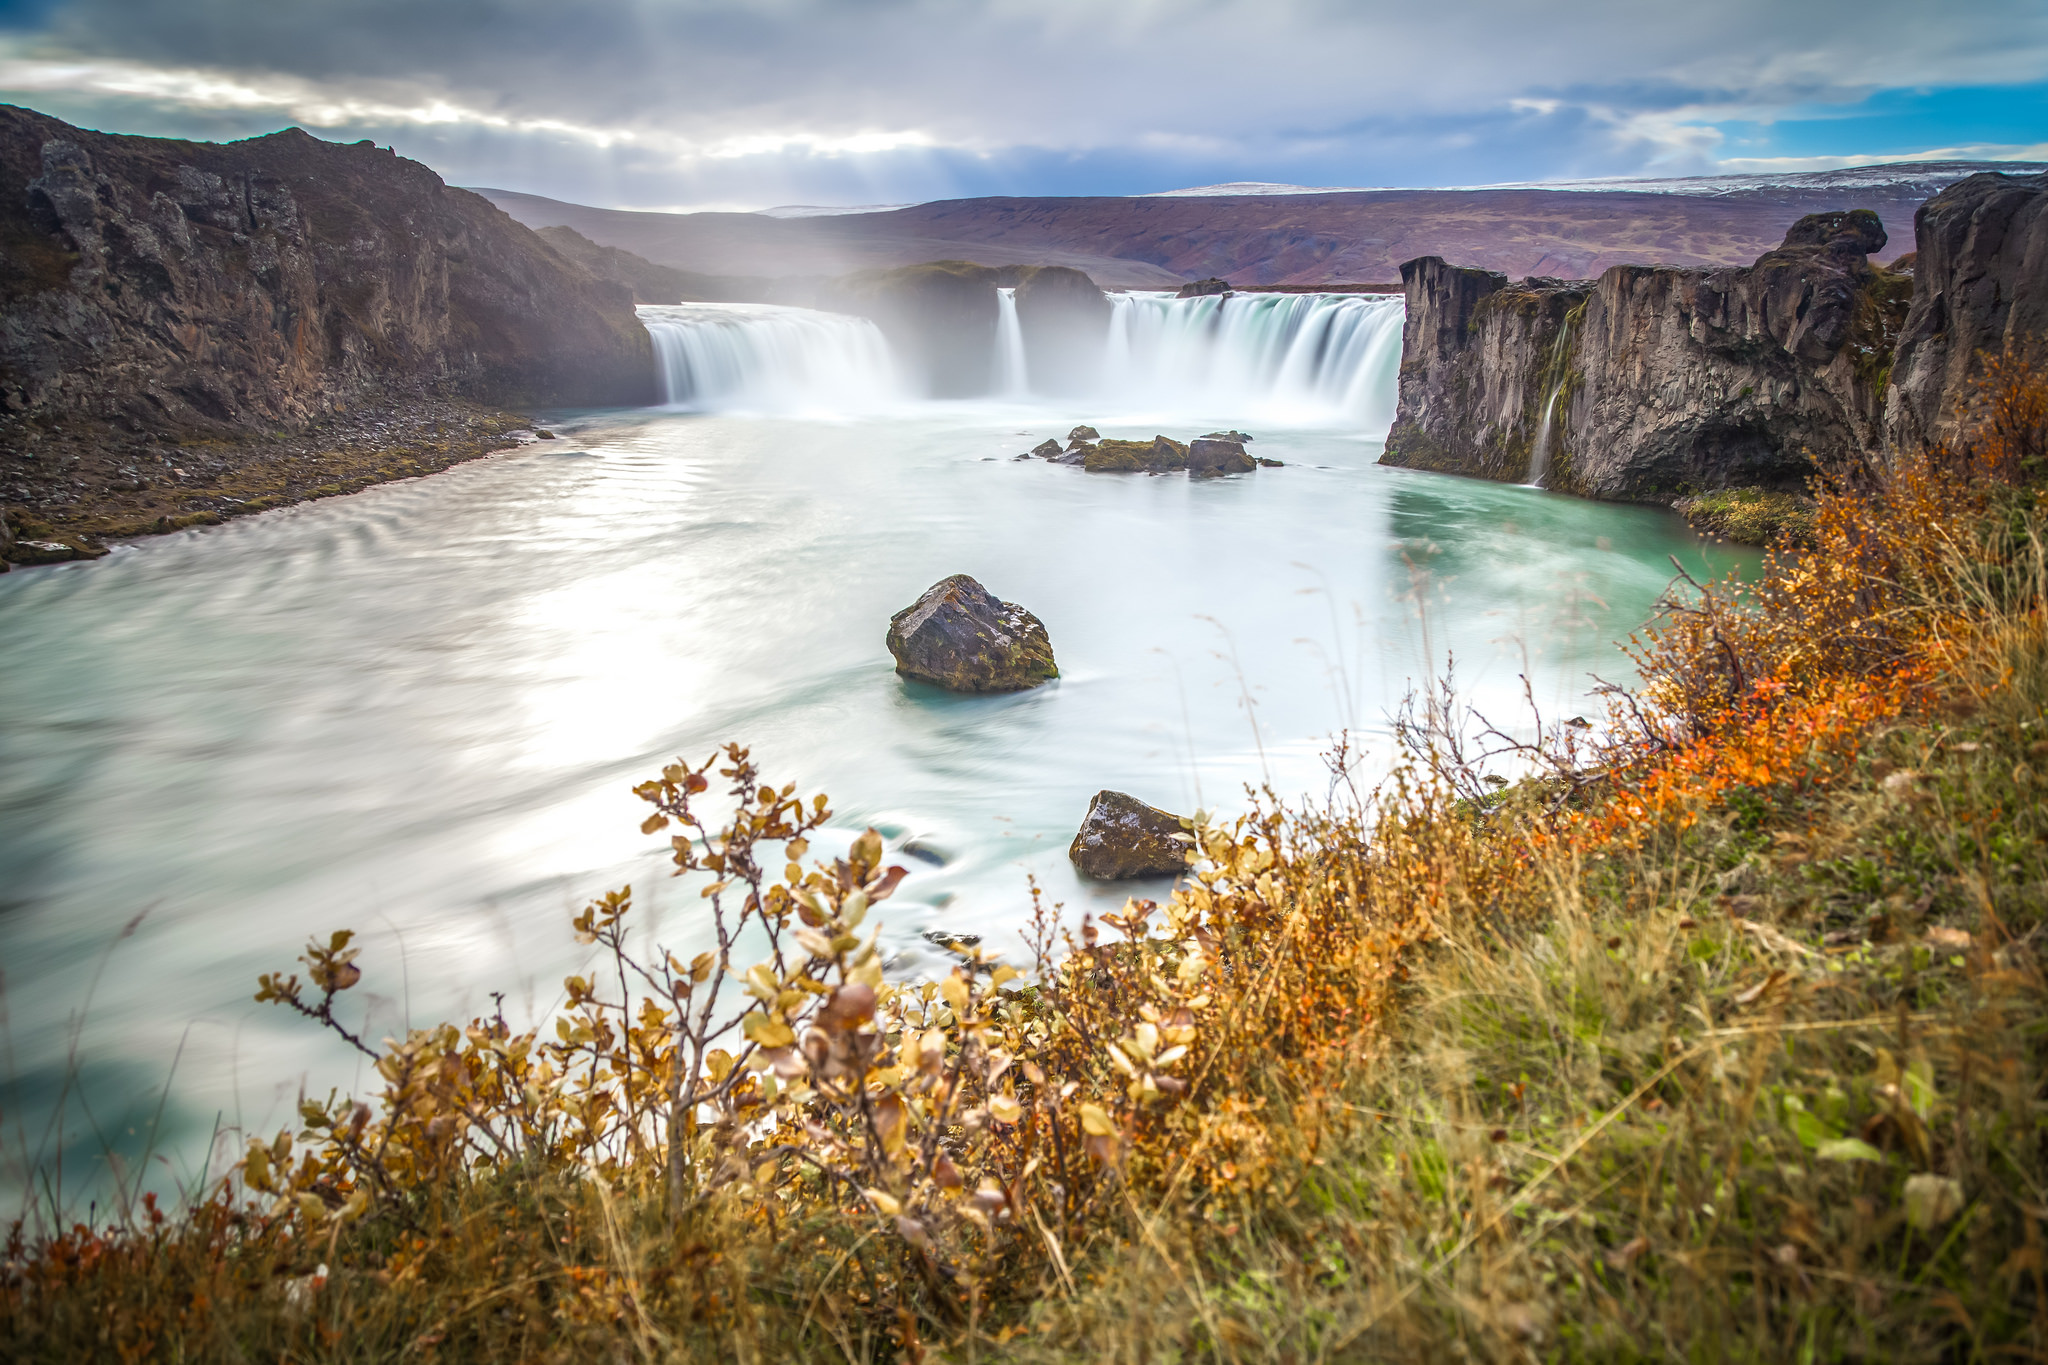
(1980, 287)
(1657, 382)
(1480, 362)
(163, 285)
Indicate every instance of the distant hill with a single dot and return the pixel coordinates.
(1275, 234)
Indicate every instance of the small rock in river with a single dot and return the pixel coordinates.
(1123, 837)
(925, 851)
(959, 636)
(1208, 458)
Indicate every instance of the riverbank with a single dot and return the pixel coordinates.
(1714, 1034)
(83, 484)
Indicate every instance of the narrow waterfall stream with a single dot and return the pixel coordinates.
(1556, 371)
(1011, 380)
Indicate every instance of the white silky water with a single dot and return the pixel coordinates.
(1320, 357)
(1011, 380)
(761, 357)
(418, 711)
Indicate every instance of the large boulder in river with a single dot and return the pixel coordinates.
(1123, 837)
(962, 638)
(1208, 457)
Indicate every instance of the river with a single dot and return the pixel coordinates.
(416, 711)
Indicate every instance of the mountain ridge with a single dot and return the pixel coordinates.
(1322, 236)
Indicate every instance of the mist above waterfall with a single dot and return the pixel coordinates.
(1285, 359)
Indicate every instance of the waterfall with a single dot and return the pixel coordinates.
(1274, 358)
(1539, 453)
(1554, 373)
(1010, 379)
(766, 358)
(1270, 357)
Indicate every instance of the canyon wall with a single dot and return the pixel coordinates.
(1980, 289)
(1656, 382)
(158, 284)
(1663, 382)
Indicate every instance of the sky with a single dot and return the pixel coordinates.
(697, 104)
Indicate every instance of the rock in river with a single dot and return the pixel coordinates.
(1123, 837)
(959, 636)
(1046, 450)
(1160, 455)
(1207, 458)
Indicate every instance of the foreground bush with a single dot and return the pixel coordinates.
(1718, 1036)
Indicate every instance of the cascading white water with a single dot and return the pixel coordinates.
(1275, 358)
(766, 358)
(1011, 381)
(1546, 432)
(1271, 357)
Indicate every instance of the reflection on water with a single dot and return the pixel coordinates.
(417, 711)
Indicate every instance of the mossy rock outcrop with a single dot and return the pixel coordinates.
(1160, 455)
(1122, 837)
(961, 637)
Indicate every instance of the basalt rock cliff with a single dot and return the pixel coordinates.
(157, 292)
(1652, 383)
(1980, 288)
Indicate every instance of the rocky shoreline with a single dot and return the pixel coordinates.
(86, 485)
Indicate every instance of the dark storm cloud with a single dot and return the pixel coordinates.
(694, 100)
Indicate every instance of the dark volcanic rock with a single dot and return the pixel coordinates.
(1980, 287)
(1196, 289)
(1238, 436)
(1082, 434)
(1658, 382)
(959, 636)
(1046, 450)
(1208, 458)
(1123, 837)
(195, 285)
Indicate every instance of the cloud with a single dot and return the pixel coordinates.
(695, 101)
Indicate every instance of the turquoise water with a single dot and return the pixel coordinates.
(417, 711)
